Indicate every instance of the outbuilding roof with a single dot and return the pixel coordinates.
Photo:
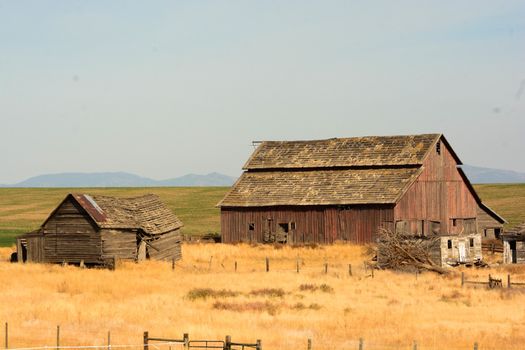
(147, 213)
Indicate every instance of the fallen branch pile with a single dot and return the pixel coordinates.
(400, 251)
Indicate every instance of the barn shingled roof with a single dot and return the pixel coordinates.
(147, 213)
(342, 152)
(320, 187)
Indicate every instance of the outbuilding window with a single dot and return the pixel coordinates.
(292, 225)
(471, 242)
(251, 226)
(449, 244)
(438, 147)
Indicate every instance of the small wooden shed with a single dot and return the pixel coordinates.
(490, 224)
(514, 245)
(96, 230)
(460, 249)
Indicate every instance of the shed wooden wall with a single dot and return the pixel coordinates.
(71, 236)
(439, 194)
(314, 224)
(166, 246)
(487, 224)
(520, 250)
(118, 244)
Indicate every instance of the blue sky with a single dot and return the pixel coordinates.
(165, 88)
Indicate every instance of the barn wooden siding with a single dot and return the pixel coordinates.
(439, 194)
(313, 224)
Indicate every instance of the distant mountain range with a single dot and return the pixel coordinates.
(480, 175)
(476, 175)
(121, 179)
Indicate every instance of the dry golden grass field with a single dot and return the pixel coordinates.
(206, 298)
(282, 307)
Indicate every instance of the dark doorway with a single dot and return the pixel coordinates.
(24, 254)
(513, 252)
(282, 232)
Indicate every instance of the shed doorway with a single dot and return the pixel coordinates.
(513, 252)
(462, 252)
(141, 254)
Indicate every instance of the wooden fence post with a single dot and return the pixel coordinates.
(228, 343)
(258, 344)
(462, 279)
(361, 344)
(209, 266)
(508, 281)
(297, 265)
(349, 269)
(58, 337)
(267, 264)
(325, 268)
(414, 347)
(309, 344)
(6, 335)
(109, 340)
(236, 266)
(372, 272)
(186, 338)
(173, 264)
(476, 346)
(146, 339)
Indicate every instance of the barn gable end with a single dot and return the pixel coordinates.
(440, 194)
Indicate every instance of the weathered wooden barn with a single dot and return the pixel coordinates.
(514, 245)
(345, 189)
(96, 230)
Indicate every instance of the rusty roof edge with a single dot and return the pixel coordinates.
(91, 207)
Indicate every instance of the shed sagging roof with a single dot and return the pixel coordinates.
(147, 213)
(519, 230)
(343, 152)
(320, 187)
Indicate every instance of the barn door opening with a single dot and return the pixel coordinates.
(282, 232)
(513, 252)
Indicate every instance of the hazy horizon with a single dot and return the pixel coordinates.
(162, 89)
